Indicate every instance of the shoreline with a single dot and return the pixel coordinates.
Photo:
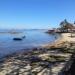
(37, 60)
(64, 38)
(57, 43)
(26, 50)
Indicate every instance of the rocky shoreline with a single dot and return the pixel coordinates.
(38, 61)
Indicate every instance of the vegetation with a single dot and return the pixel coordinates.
(65, 26)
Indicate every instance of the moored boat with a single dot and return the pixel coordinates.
(19, 38)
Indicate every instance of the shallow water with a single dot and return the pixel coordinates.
(34, 38)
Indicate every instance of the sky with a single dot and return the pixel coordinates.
(35, 14)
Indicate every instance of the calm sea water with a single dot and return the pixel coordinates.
(34, 38)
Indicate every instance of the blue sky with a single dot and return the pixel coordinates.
(35, 13)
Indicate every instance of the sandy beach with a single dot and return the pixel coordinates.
(65, 37)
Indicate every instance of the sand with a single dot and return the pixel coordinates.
(65, 37)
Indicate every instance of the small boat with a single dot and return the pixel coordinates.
(19, 38)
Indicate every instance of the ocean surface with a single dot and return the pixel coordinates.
(34, 38)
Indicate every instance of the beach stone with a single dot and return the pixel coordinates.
(4, 72)
(27, 73)
(21, 70)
